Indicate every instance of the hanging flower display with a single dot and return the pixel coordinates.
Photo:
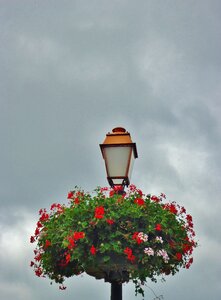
(113, 236)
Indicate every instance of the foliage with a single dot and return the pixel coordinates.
(113, 235)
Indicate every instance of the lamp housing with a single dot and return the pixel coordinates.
(118, 152)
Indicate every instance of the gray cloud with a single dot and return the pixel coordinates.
(70, 72)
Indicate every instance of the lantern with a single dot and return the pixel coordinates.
(119, 153)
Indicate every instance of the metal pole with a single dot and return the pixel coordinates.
(116, 291)
(116, 287)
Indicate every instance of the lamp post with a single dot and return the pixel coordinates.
(118, 152)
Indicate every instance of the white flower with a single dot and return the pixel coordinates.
(159, 239)
(149, 251)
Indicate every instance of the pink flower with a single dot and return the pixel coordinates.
(164, 254)
(149, 251)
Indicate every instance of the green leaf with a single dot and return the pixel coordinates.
(65, 243)
(106, 258)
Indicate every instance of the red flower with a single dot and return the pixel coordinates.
(112, 192)
(189, 263)
(116, 190)
(128, 251)
(38, 257)
(62, 287)
(76, 200)
(68, 258)
(32, 264)
(58, 206)
(78, 235)
(93, 250)
(131, 258)
(189, 218)
(99, 212)
(173, 209)
(132, 187)
(155, 199)
(109, 221)
(104, 189)
(71, 243)
(183, 210)
(136, 237)
(38, 272)
(172, 244)
(158, 227)
(140, 192)
(179, 256)
(37, 231)
(39, 225)
(32, 239)
(70, 195)
(139, 201)
(47, 244)
(44, 217)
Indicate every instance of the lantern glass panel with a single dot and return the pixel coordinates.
(131, 165)
(117, 159)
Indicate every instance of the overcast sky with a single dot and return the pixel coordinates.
(70, 71)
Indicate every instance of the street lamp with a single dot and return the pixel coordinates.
(119, 153)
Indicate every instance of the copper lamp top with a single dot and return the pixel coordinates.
(119, 135)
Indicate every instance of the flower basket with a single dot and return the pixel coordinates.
(116, 269)
(113, 236)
